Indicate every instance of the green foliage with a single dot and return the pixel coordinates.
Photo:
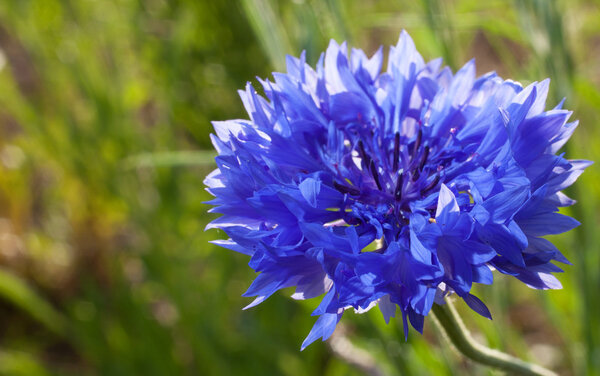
(105, 110)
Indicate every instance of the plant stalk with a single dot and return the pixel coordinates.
(459, 336)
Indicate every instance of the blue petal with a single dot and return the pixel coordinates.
(323, 328)
(310, 189)
(447, 208)
(477, 305)
(457, 269)
(534, 135)
(416, 320)
(387, 308)
(519, 109)
(547, 224)
(483, 274)
(403, 55)
(349, 106)
(326, 303)
(503, 241)
(504, 205)
(477, 253)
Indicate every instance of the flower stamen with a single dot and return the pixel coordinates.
(373, 169)
(398, 190)
(396, 152)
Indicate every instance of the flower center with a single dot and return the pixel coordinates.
(393, 172)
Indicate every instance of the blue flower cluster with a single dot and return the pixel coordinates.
(392, 188)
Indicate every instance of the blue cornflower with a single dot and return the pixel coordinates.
(392, 188)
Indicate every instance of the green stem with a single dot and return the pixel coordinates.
(16, 291)
(458, 334)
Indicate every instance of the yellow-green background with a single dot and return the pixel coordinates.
(105, 110)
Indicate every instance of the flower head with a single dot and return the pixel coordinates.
(392, 188)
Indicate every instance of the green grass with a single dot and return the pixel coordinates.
(105, 110)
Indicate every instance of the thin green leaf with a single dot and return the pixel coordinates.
(17, 292)
(170, 159)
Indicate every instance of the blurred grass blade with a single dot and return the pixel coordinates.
(330, 15)
(17, 292)
(171, 159)
(542, 24)
(438, 20)
(270, 32)
(17, 363)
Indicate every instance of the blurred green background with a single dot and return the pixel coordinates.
(105, 110)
